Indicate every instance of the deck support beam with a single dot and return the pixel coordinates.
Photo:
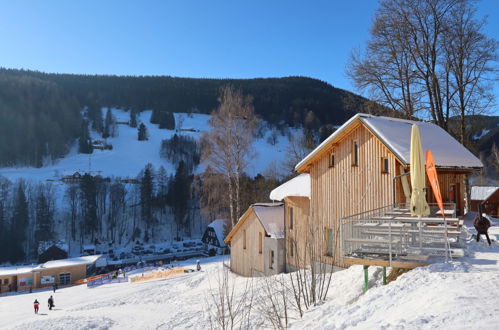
(384, 275)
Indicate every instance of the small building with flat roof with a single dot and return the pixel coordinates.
(61, 272)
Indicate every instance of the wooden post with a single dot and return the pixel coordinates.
(366, 278)
(384, 275)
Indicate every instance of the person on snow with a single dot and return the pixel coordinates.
(198, 266)
(51, 303)
(36, 304)
(54, 286)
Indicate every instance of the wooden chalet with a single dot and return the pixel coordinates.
(362, 166)
(488, 197)
(213, 237)
(257, 241)
(295, 194)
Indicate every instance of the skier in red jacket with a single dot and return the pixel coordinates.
(36, 304)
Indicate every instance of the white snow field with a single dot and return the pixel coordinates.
(462, 294)
(129, 156)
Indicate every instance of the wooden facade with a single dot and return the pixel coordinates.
(246, 246)
(296, 222)
(355, 173)
(490, 206)
(254, 250)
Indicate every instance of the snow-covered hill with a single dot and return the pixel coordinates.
(129, 156)
(462, 294)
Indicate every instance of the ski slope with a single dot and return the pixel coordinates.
(129, 156)
(462, 294)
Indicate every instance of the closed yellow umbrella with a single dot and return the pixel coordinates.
(419, 206)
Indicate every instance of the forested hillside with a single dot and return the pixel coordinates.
(41, 113)
(38, 120)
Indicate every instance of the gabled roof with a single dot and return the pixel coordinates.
(218, 226)
(270, 215)
(298, 186)
(482, 193)
(395, 134)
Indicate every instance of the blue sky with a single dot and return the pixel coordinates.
(205, 38)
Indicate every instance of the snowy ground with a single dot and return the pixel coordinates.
(129, 156)
(459, 295)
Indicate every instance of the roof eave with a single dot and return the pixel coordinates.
(301, 167)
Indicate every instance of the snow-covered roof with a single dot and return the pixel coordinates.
(395, 133)
(86, 260)
(271, 216)
(482, 193)
(219, 226)
(298, 186)
(16, 270)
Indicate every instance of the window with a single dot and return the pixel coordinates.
(291, 220)
(331, 159)
(384, 165)
(244, 239)
(355, 153)
(328, 235)
(291, 247)
(65, 278)
(6, 281)
(260, 243)
(271, 259)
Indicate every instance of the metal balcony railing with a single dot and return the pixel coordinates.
(390, 233)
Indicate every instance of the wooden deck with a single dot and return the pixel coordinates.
(391, 237)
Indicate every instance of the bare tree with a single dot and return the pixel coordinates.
(227, 148)
(228, 308)
(427, 58)
(299, 147)
(470, 55)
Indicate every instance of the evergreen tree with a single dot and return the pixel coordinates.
(44, 217)
(167, 120)
(88, 203)
(133, 118)
(85, 142)
(179, 196)
(19, 225)
(146, 196)
(155, 116)
(108, 125)
(142, 132)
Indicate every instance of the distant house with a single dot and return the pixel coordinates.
(54, 252)
(295, 194)
(60, 272)
(488, 197)
(257, 245)
(72, 178)
(214, 236)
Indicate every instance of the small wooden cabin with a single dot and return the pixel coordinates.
(488, 197)
(358, 168)
(257, 246)
(213, 236)
(295, 194)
